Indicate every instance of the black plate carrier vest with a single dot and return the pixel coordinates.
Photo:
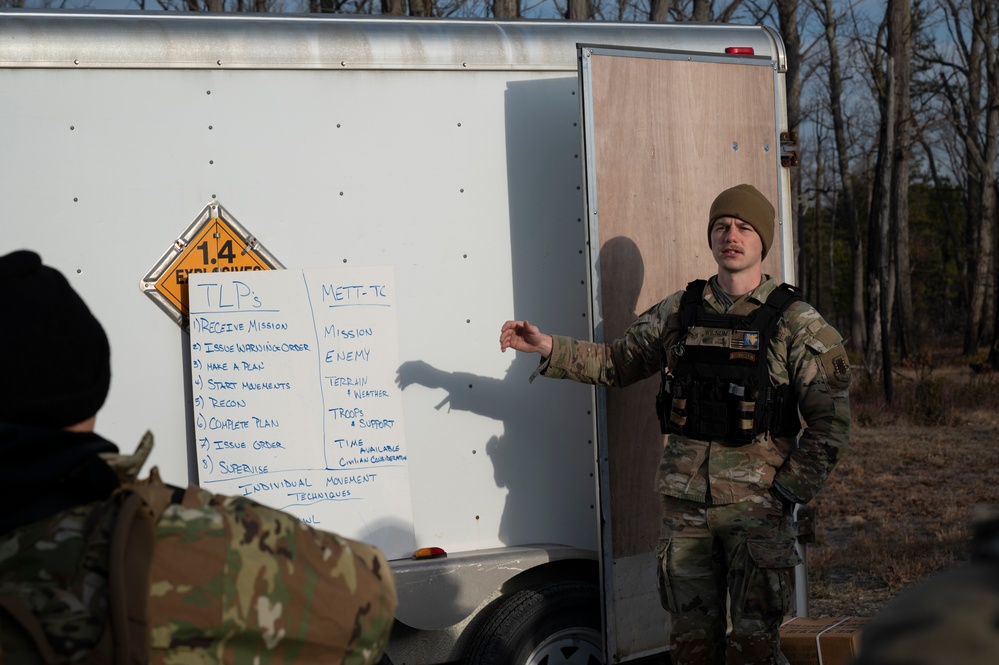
(723, 392)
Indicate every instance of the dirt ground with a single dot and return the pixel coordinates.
(899, 506)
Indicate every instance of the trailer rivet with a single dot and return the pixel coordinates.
(210, 127)
(343, 63)
(76, 61)
(735, 146)
(211, 161)
(71, 128)
(75, 200)
(766, 147)
(208, 92)
(218, 62)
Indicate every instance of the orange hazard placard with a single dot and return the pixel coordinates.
(214, 242)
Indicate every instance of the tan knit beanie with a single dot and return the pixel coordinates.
(747, 203)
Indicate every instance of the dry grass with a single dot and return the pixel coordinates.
(898, 507)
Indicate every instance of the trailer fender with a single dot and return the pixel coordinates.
(442, 592)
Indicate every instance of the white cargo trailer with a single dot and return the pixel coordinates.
(549, 170)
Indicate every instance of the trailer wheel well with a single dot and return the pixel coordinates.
(529, 596)
(578, 570)
(554, 622)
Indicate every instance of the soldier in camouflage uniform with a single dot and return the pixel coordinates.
(227, 581)
(726, 532)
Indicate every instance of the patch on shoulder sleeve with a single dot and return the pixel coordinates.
(837, 367)
(828, 335)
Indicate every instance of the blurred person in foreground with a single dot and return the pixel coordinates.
(952, 618)
(203, 578)
(739, 355)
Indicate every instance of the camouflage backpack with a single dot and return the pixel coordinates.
(148, 576)
(74, 588)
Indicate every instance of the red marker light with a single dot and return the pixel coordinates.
(740, 50)
(429, 553)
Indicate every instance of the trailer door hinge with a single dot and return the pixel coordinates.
(789, 148)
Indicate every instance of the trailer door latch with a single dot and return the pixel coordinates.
(789, 148)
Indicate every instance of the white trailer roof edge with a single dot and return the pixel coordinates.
(174, 40)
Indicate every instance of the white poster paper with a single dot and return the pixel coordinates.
(295, 403)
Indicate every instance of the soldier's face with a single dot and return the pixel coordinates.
(735, 244)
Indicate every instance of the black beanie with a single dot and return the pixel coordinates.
(56, 359)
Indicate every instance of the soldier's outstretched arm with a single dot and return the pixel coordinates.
(526, 337)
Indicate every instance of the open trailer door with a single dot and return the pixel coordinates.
(664, 133)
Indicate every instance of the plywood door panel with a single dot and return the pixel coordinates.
(668, 135)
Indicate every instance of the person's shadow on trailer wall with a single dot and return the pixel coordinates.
(544, 457)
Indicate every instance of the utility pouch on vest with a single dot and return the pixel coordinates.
(671, 405)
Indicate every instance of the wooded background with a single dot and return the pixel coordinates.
(896, 108)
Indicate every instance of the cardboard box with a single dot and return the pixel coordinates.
(836, 639)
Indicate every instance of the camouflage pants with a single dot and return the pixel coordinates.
(739, 556)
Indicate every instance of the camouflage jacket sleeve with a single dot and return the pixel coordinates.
(818, 368)
(233, 581)
(636, 355)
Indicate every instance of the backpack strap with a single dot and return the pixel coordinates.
(23, 626)
(127, 639)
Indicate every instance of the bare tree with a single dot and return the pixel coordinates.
(580, 10)
(704, 10)
(899, 44)
(830, 23)
(658, 11)
(506, 8)
(394, 7)
(968, 83)
(876, 350)
(787, 16)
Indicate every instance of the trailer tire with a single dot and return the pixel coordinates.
(556, 623)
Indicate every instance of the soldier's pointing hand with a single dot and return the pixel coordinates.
(523, 336)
